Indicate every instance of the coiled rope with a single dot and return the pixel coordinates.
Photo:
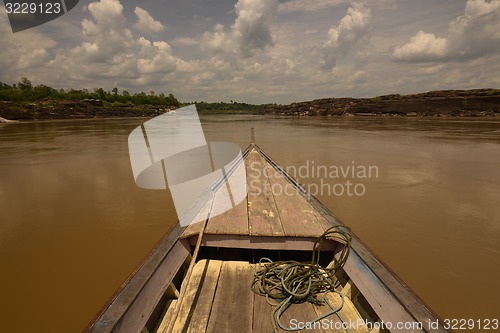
(290, 282)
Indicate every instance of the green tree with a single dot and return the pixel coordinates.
(173, 101)
(101, 94)
(42, 91)
(25, 85)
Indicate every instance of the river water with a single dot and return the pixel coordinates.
(74, 224)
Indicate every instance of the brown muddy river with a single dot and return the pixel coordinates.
(73, 224)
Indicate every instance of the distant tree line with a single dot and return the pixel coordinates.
(24, 91)
(223, 106)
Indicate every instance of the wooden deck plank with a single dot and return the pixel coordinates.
(262, 320)
(194, 228)
(325, 224)
(297, 215)
(263, 218)
(233, 221)
(170, 306)
(298, 315)
(196, 306)
(232, 309)
(329, 220)
(348, 312)
(219, 299)
(264, 213)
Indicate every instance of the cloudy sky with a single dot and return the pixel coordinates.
(261, 51)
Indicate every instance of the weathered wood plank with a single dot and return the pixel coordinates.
(325, 224)
(383, 302)
(233, 221)
(170, 305)
(171, 294)
(350, 290)
(300, 316)
(196, 306)
(194, 228)
(318, 213)
(262, 320)
(143, 305)
(232, 310)
(350, 315)
(262, 242)
(263, 217)
(328, 218)
(230, 189)
(296, 214)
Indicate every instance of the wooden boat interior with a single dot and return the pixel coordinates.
(279, 225)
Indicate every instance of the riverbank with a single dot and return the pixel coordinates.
(443, 103)
(88, 109)
(84, 109)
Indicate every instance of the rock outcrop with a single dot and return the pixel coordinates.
(446, 103)
(88, 108)
(3, 120)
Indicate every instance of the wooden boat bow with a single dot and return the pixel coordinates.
(267, 220)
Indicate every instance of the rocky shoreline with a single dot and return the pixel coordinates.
(53, 109)
(442, 103)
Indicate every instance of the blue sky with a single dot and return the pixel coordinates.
(261, 51)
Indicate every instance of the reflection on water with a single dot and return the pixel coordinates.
(74, 224)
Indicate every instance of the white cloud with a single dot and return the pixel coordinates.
(155, 57)
(473, 34)
(217, 40)
(34, 58)
(26, 50)
(111, 52)
(353, 29)
(106, 13)
(146, 23)
(252, 26)
(107, 34)
(423, 47)
(250, 32)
